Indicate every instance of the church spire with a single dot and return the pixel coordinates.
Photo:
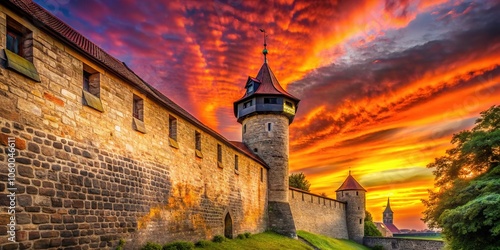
(388, 207)
(264, 51)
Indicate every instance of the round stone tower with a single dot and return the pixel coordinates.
(265, 112)
(354, 195)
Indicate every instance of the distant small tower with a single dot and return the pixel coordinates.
(388, 215)
(354, 195)
(265, 111)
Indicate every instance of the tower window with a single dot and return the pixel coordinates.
(289, 104)
(270, 100)
(172, 127)
(356, 193)
(138, 108)
(269, 126)
(247, 104)
(250, 87)
(219, 155)
(360, 221)
(244, 129)
(261, 174)
(236, 162)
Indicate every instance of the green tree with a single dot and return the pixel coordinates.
(467, 203)
(370, 228)
(299, 181)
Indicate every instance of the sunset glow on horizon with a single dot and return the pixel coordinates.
(384, 84)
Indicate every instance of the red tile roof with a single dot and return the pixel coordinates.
(269, 85)
(49, 23)
(350, 184)
(392, 228)
(249, 152)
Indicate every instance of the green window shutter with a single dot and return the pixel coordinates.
(21, 65)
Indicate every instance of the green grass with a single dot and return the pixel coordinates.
(267, 240)
(324, 242)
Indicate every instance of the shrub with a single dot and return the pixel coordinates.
(378, 247)
(151, 246)
(202, 243)
(179, 245)
(247, 235)
(241, 236)
(121, 243)
(219, 238)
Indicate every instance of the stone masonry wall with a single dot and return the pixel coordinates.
(317, 214)
(403, 244)
(79, 169)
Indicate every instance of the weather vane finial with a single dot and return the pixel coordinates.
(265, 45)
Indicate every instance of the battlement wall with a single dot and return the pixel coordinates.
(318, 214)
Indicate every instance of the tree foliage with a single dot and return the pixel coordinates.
(370, 228)
(299, 181)
(467, 203)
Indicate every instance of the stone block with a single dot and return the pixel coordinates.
(24, 200)
(25, 171)
(40, 218)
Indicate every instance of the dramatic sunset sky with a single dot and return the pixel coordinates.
(383, 84)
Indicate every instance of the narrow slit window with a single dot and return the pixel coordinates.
(236, 167)
(261, 174)
(219, 153)
(137, 111)
(172, 127)
(197, 138)
(269, 127)
(244, 129)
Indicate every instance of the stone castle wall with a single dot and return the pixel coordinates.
(88, 178)
(317, 214)
(403, 244)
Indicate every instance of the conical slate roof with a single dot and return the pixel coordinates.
(350, 184)
(268, 84)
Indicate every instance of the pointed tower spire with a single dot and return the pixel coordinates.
(264, 51)
(388, 207)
